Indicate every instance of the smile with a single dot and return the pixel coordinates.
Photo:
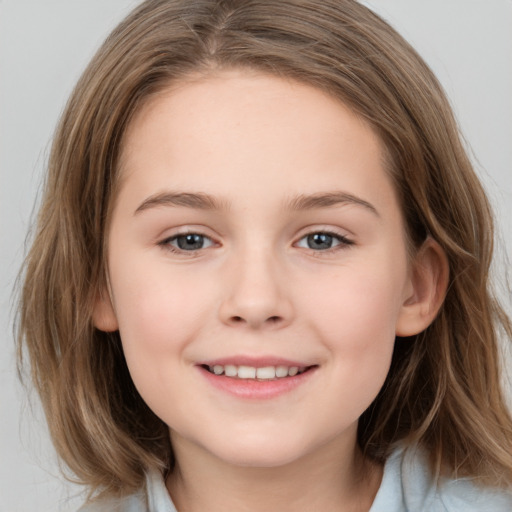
(258, 373)
(253, 379)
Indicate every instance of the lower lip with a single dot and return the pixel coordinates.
(256, 389)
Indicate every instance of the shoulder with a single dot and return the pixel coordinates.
(464, 495)
(154, 498)
(408, 486)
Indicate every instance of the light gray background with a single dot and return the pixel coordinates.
(44, 45)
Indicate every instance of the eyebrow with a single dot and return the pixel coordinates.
(328, 199)
(198, 201)
(202, 201)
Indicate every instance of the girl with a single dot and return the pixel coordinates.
(259, 279)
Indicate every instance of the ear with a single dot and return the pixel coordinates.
(428, 283)
(103, 316)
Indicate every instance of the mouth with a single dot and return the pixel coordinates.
(257, 378)
(258, 373)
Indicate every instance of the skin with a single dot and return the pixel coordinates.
(258, 287)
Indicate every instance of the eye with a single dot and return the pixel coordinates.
(323, 241)
(187, 242)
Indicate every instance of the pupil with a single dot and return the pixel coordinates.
(189, 242)
(319, 241)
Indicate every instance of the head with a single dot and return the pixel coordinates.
(101, 425)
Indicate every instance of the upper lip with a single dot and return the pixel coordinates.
(256, 362)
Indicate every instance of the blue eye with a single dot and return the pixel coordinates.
(188, 242)
(323, 241)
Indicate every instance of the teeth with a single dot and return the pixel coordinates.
(230, 370)
(268, 372)
(281, 371)
(246, 372)
(251, 372)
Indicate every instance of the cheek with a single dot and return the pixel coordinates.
(354, 314)
(156, 323)
(359, 308)
(154, 310)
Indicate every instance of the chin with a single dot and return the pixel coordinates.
(261, 451)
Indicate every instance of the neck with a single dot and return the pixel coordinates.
(334, 478)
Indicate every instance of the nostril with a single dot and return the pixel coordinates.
(270, 320)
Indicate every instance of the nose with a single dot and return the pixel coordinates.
(256, 294)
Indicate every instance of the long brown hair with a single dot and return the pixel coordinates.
(443, 390)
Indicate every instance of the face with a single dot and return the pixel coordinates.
(257, 264)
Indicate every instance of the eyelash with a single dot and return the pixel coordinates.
(343, 243)
(166, 244)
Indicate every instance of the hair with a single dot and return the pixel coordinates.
(443, 390)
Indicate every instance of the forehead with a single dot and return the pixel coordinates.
(250, 131)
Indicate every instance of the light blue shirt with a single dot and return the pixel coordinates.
(407, 486)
